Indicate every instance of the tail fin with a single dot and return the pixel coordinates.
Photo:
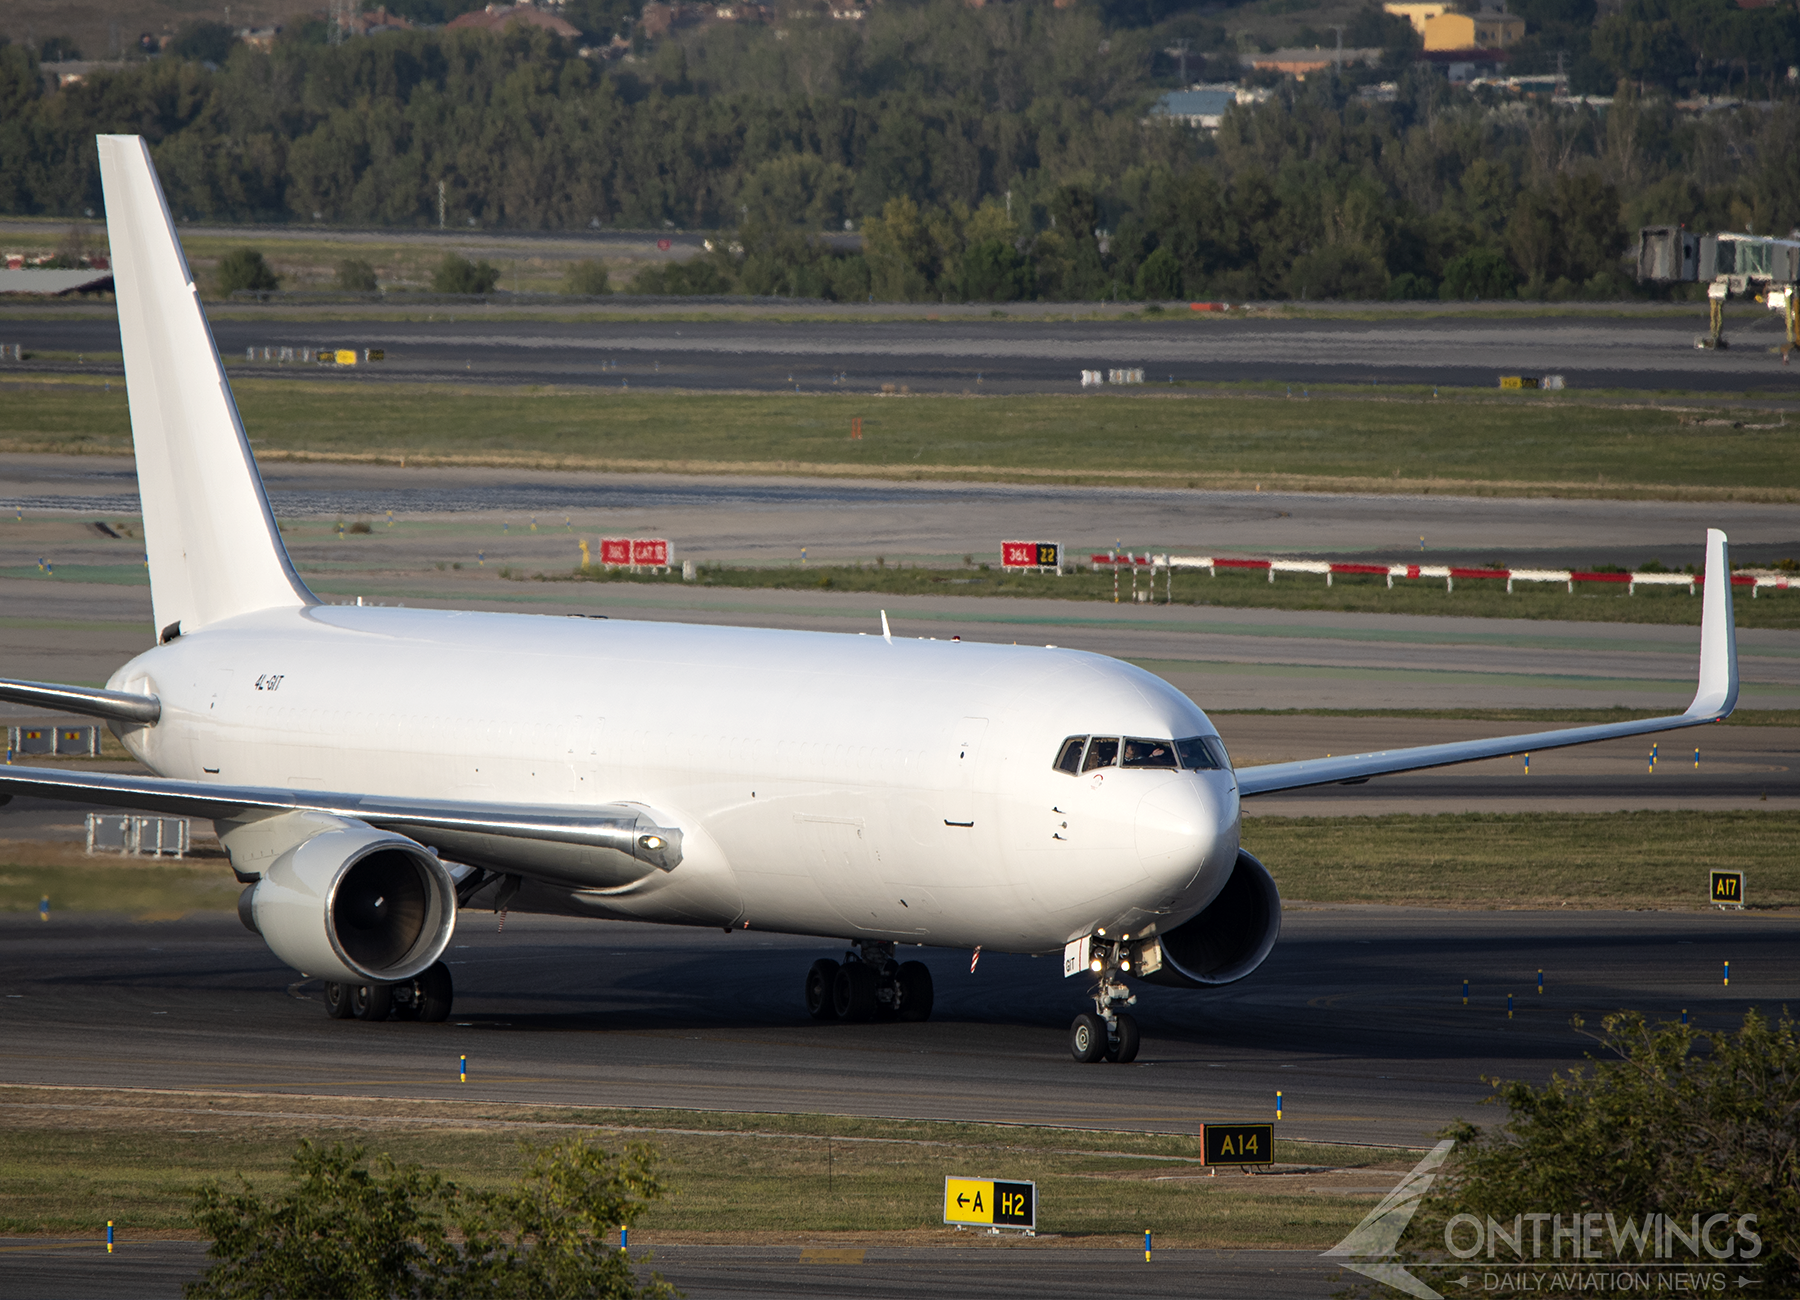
(213, 546)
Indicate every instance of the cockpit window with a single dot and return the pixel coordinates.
(1148, 753)
(1103, 751)
(1068, 758)
(1203, 754)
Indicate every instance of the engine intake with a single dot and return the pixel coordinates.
(354, 904)
(1226, 941)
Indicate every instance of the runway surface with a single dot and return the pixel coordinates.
(1357, 1018)
(1001, 356)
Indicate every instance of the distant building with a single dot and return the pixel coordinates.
(1419, 14)
(496, 18)
(259, 38)
(1453, 31)
(1201, 107)
(1297, 63)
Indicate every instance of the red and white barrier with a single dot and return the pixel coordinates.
(1449, 574)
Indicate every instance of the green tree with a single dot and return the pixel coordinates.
(457, 274)
(203, 41)
(994, 271)
(1666, 1120)
(244, 268)
(1479, 273)
(1159, 277)
(901, 254)
(356, 276)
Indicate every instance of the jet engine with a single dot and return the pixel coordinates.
(354, 904)
(1227, 940)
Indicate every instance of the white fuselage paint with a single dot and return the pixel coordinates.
(825, 784)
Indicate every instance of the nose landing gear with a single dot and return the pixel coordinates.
(1109, 1032)
(869, 985)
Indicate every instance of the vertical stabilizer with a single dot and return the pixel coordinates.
(212, 542)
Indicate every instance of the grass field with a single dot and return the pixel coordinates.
(1237, 589)
(1465, 443)
(136, 1157)
(1628, 859)
(147, 888)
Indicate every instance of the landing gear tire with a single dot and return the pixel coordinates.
(1124, 1047)
(821, 986)
(337, 1001)
(853, 993)
(914, 986)
(1087, 1038)
(433, 993)
(372, 1002)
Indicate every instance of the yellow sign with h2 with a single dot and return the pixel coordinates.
(990, 1203)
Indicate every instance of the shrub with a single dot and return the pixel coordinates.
(356, 275)
(587, 278)
(1407, 287)
(459, 275)
(342, 1229)
(244, 268)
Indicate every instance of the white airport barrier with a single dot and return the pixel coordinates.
(129, 833)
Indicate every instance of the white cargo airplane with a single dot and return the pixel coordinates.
(371, 770)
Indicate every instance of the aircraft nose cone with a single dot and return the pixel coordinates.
(1179, 824)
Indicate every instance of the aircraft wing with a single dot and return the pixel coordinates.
(1714, 700)
(471, 830)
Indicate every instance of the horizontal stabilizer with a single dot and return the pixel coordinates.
(119, 706)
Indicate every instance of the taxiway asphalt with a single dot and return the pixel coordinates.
(1357, 1018)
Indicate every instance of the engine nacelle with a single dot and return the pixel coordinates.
(354, 904)
(1228, 939)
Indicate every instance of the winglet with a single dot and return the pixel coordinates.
(1716, 695)
(213, 546)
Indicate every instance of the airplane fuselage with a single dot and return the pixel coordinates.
(824, 783)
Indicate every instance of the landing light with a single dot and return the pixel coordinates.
(1124, 965)
(1096, 965)
(651, 843)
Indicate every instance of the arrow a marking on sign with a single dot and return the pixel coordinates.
(961, 1200)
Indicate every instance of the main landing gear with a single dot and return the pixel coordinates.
(426, 996)
(868, 985)
(1108, 1032)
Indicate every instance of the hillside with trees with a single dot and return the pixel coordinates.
(982, 154)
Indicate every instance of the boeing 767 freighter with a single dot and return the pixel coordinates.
(372, 770)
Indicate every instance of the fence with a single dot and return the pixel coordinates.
(129, 833)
